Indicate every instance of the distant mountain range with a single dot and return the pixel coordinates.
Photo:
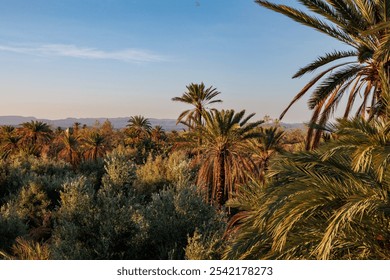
(166, 124)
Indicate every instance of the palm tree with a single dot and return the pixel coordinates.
(70, 148)
(331, 203)
(76, 128)
(364, 27)
(265, 147)
(94, 145)
(9, 141)
(6, 129)
(36, 132)
(200, 97)
(158, 134)
(35, 136)
(139, 128)
(225, 157)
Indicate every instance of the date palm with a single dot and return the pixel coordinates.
(158, 134)
(364, 26)
(6, 129)
(36, 132)
(76, 128)
(9, 141)
(224, 152)
(330, 203)
(265, 147)
(36, 135)
(70, 151)
(199, 97)
(94, 145)
(139, 128)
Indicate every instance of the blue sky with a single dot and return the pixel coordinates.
(118, 58)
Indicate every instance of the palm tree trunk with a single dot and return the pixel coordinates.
(200, 134)
(220, 195)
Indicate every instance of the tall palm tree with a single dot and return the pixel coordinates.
(199, 97)
(94, 145)
(35, 136)
(6, 129)
(364, 26)
(139, 128)
(36, 132)
(265, 147)
(225, 157)
(70, 151)
(76, 128)
(9, 141)
(158, 134)
(330, 203)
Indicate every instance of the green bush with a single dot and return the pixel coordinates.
(32, 205)
(160, 172)
(49, 174)
(151, 177)
(93, 170)
(73, 234)
(93, 225)
(120, 171)
(172, 216)
(207, 246)
(49, 167)
(11, 226)
(52, 185)
(179, 170)
(11, 180)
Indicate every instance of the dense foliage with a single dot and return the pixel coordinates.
(224, 188)
(331, 203)
(103, 193)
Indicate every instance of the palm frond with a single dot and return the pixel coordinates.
(310, 21)
(307, 87)
(331, 83)
(323, 60)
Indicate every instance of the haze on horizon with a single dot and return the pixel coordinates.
(117, 58)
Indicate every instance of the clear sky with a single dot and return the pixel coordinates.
(118, 58)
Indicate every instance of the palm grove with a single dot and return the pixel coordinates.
(228, 186)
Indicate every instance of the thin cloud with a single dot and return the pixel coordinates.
(127, 55)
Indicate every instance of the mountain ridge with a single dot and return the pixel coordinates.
(117, 122)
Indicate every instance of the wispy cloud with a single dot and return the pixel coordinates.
(127, 55)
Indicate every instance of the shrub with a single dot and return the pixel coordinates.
(159, 172)
(172, 216)
(93, 225)
(49, 174)
(151, 177)
(52, 185)
(49, 167)
(207, 246)
(179, 170)
(73, 233)
(11, 180)
(11, 226)
(120, 171)
(94, 170)
(32, 205)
